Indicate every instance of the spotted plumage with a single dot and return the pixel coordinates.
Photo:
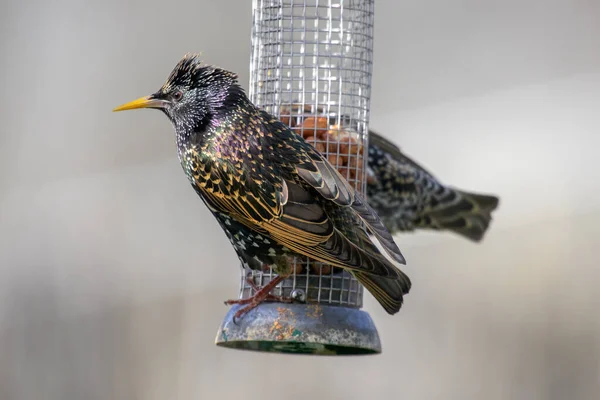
(408, 197)
(273, 194)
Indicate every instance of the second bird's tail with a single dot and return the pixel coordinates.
(464, 213)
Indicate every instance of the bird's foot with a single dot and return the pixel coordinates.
(262, 294)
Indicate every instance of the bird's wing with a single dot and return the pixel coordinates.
(289, 213)
(393, 151)
(273, 190)
(228, 188)
(312, 168)
(429, 203)
(384, 144)
(330, 184)
(326, 234)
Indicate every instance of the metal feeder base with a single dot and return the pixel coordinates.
(301, 329)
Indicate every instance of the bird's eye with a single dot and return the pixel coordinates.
(177, 95)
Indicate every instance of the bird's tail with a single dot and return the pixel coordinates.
(388, 292)
(467, 214)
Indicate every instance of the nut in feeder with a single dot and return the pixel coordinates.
(311, 67)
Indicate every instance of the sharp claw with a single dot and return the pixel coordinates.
(239, 314)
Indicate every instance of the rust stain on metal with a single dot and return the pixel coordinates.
(275, 327)
(314, 311)
(285, 313)
(284, 325)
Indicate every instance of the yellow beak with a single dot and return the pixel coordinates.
(142, 102)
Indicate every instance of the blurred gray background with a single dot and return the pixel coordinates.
(113, 273)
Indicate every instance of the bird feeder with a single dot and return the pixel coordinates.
(311, 66)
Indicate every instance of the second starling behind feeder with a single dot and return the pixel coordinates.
(403, 193)
(273, 193)
(408, 197)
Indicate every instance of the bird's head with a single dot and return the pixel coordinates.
(193, 94)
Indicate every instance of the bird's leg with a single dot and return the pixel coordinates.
(283, 268)
(261, 295)
(270, 296)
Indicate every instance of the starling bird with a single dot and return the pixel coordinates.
(407, 197)
(273, 194)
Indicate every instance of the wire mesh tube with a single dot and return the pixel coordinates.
(311, 66)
